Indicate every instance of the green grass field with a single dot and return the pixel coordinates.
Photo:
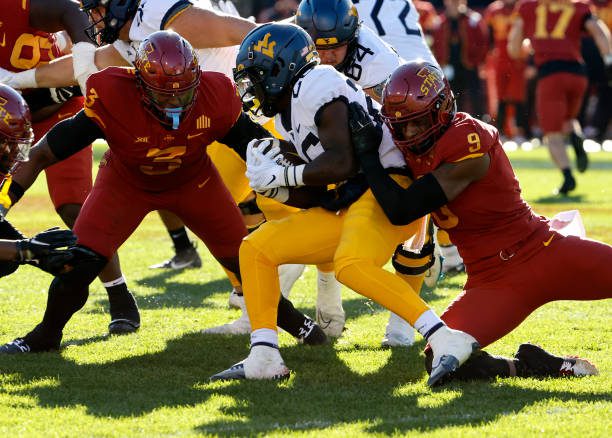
(155, 382)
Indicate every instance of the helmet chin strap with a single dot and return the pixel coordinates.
(174, 114)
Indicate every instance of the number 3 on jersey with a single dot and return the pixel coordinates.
(164, 160)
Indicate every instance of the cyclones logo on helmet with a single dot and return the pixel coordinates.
(418, 106)
(16, 135)
(168, 73)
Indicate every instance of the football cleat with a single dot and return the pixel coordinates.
(330, 313)
(451, 260)
(582, 159)
(236, 300)
(316, 336)
(17, 346)
(263, 363)
(568, 185)
(123, 326)
(186, 258)
(534, 361)
(399, 333)
(451, 348)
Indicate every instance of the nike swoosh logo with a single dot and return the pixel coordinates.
(62, 116)
(189, 136)
(547, 242)
(272, 180)
(3, 40)
(202, 185)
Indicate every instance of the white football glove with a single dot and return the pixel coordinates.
(280, 194)
(18, 80)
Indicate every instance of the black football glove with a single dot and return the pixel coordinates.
(55, 262)
(344, 194)
(43, 244)
(366, 134)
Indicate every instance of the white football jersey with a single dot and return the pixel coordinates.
(318, 87)
(374, 60)
(154, 15)
(396, 22)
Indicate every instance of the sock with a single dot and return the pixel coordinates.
(264, 337)
(292, 320)
(180, 239)
(567, 173)
(122, 302)
(428, 323)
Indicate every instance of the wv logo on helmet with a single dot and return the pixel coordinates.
(265, 46)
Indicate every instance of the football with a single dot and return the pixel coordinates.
(287, 148)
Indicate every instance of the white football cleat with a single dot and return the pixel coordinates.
(330, 313)
(264, 362)
(399, 333)
(236, 300)
(451, 260)
(242, 326)
(287, 276)
(451, 348)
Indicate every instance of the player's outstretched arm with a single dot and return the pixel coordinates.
(222, 30)
(63, 140)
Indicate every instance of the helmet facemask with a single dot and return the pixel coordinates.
(104, 28)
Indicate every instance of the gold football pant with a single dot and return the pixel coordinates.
(358, 242)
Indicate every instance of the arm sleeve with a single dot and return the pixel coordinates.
(400, 205)
(242, 132)
(72, 135)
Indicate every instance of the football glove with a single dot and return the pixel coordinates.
(365, 133)
(345, 194)
(265, 171)
(43, 244)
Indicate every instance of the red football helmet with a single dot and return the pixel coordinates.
(168, 72)
(16, 135)
(418, 106)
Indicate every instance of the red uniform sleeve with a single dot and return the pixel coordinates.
(226, 102)
(469, 138)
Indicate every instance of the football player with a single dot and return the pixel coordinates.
(357, 52)
(27, 43)
(277, 74)
(509, 79)
(157, 119)
(42, 250)
(554, 28)
(515, 261)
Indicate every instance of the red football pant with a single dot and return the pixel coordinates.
(569, 268)
(114, 209)
(68, 181)
(510, 80)
(558, 99)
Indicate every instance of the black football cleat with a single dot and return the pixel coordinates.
(315, 335)
(569, 184)
(17, 346)
(534, 361)
(122, 326)
(582, 159)
(125, 317)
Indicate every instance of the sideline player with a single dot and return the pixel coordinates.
(278, 74)
(515, 262)
(27, 43)
(554, 28)
(157, 119)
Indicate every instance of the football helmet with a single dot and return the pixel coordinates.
(418, 106)
(114, 16)
(271, 58)
(16, 135)
(331, 24)
(168, 74)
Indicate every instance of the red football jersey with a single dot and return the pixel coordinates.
(21, 46)
(554, 28)
(489, 215)
(142, 151)
(499, 17)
